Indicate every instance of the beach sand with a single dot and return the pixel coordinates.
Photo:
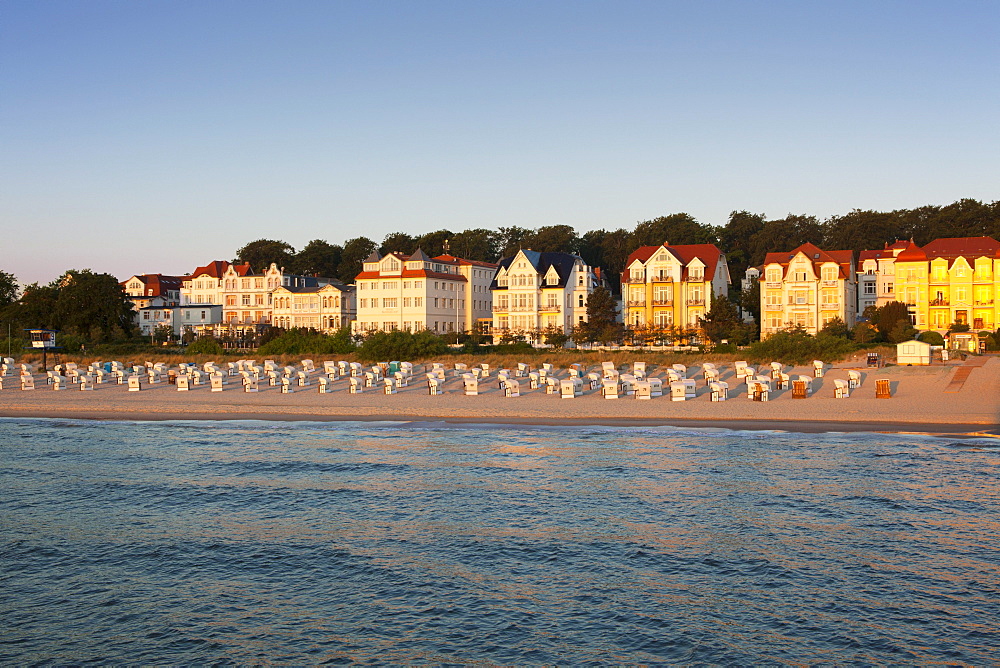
(924, 400)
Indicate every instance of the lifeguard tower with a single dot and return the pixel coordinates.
(44, 340)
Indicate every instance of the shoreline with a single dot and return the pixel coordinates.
(803, 426)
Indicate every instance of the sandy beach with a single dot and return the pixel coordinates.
(932, 399)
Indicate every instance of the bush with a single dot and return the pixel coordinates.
(309, 342)
(725, 348)
(399, 345)
(205, 345)
(797, 347)
(931, 337)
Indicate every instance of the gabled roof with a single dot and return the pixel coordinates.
(373, 257)
(843, 258)
(158, 283)
(709, 255)
(541, 262)
(214, 269)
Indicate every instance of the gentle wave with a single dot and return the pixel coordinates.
(262, 542)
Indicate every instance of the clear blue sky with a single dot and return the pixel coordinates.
(156, 136)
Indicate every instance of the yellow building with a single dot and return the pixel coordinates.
(807, 288)
(951, 280)
(672, 286)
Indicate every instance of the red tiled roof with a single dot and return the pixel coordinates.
(967, 247)
(816, 255)
(708, 253)
(214, 269)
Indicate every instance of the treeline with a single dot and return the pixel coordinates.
(86, 307)
(745, 238)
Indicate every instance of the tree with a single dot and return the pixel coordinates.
(398, 242)
(8, 288)
(261, 253)
(318, 258)
(864, 332)
(887, 316)
(555, 336)
(784, 235)
(902, 331)
(602, 319)
(93, 306)
(678, 228)
(836, 327)
(509, 240)
(959, 327)
(723, 322)
(750, 300)
(353, 257)
(554, 239)
(477, 244)
(433, 243)
(735, 237)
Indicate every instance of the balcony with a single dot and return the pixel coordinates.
(635, 302)
(829, 306)
(635, 279)
(829, 283)
(500, 308)
(696, 302)
(773, 285)
(549, 308)
(984, 302)
(662, 278)
(939, 302)
(663, 302)
(773, 307)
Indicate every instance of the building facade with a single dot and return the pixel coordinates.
(668, 286)
(876, 275)
(441, 294)
(953, 280)
(533, 292)
(807, 288)
(324, 308)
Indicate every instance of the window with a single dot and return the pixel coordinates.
(406, 302)
(869, 288)
(418, 301)
(579, 300)
(246, 300)
(389, 302)
(418, 284)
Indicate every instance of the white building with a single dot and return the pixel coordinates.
(877, 275)
(534, 291)
(441, 294)
(324, 308)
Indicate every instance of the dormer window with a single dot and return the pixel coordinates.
(552, 279)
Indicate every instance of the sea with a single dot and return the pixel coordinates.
(248, 542)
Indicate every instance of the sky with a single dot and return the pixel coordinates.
(154, 137)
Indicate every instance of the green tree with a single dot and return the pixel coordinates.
(554, 239)
(902, 331)
(555, 336)
(398, 242)
(509, 240)
(836, 327)
(8, 288)
(477, 244)
(318, 258)
(723, 322)
(887, 316)
(93, 306)
(678, 228)
(750, 300)
(784, 235)
(261, 253)
(353, 257)
(959, 327)
(433, 243)
(735, 238)
(864, 333)
(602, 324)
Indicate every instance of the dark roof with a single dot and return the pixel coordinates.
(542, 262)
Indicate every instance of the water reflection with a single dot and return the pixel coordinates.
(194, 542)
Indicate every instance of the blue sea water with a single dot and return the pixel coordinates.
(252, 542)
